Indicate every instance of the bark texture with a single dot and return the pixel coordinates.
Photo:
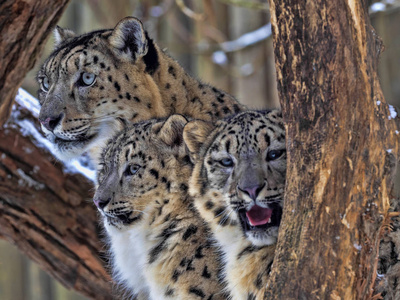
(342, 150)
(24, 28)
(49, 214)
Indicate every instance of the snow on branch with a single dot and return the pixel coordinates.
(384, 6)
(28, 128)
(246, 40)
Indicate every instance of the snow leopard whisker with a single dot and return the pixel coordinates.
(226, 217)
(221, 213)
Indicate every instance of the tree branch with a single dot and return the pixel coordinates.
(48, 214)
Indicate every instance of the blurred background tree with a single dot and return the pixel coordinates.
(224, 42)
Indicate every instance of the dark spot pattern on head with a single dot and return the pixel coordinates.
(226, 110)
(169, 292)
(199, 252)
(218, 211)
(192, 229)
(183, 187)
(117, 86)
(205, 273)
(171, 70)
(236, 108)
(154, 173)
(209, 204)
(197, 291)
(267, 139)
(175, 275)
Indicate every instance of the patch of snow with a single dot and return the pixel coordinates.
(396, 131)
(393, 113)
(25, 179)
(357, 246)
(76, 166)
(28, 150)
(378, 6)
(28, 129)
(248, 39)
(26, 100)
(219, 58)
(36, 169)
(389, 150)
(378, 102)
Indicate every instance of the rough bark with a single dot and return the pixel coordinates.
(342, 150)
(48, 214)
(24, 28)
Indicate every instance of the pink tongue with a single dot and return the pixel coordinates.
(258, 215)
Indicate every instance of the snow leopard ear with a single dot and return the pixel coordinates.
(195, 134)
(62, 34)
(129, 39)
(170, 132)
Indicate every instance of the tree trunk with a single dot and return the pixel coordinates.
(47, 213)
(24, 28)
(342, 144)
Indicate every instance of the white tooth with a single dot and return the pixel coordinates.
(269, 221)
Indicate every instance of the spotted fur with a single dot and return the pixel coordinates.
(134, 80)
(240, 169)
(160, 245)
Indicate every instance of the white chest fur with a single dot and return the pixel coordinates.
(129, 258)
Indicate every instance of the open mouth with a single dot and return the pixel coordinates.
(260, 218)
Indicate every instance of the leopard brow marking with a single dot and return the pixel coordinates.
(72, 54)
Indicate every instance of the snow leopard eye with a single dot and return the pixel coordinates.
(131, 170)
(44, 85)
(274, 154)
(88, 78)
(226, 162)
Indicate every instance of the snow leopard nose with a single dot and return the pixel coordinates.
(101, 203)
(252, 191)
(51, 122)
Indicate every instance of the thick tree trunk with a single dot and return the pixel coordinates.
(24, 28)
(47, 213)
(342, 150)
